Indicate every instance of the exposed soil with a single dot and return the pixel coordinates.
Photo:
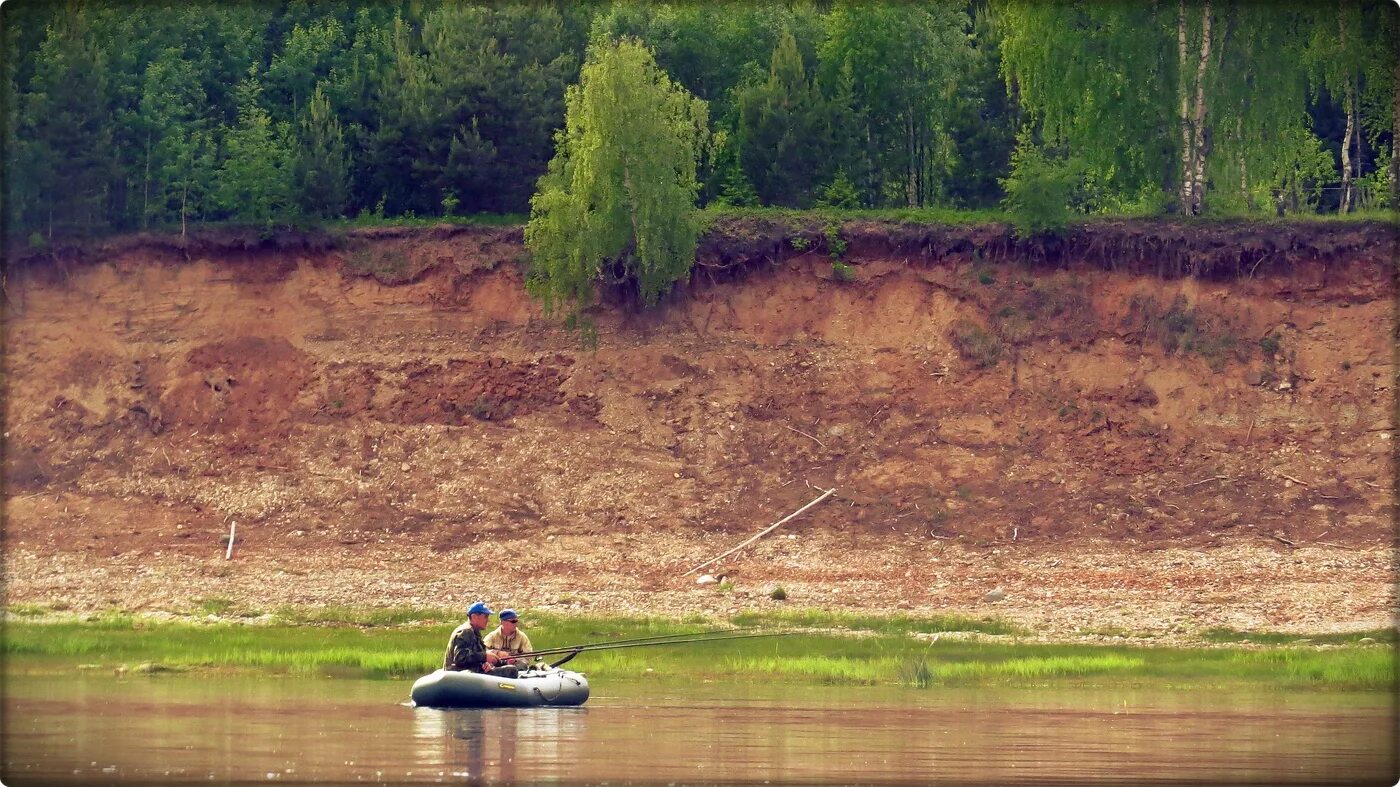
(1142, 427)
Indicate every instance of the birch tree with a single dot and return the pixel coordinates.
(1203, 102)
(618, 201)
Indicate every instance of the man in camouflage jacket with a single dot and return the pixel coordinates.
(466, 651)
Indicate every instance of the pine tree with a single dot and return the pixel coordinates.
(781, 130)
(66, 124)
(320, 167)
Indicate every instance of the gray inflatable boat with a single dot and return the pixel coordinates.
(534, 688)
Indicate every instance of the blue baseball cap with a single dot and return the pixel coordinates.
(509, 614)
(479, 608)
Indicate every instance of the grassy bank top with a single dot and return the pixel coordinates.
(728, 231)
(819, 648)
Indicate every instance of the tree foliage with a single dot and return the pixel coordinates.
(65, 131)
(254, 182)
(782, 130)
(124, 115)
(321, 168)
(901, 64)
(1201, 104)
(619, 197)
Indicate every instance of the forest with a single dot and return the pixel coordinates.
(124, 116)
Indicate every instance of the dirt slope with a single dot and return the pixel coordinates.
(394, 422)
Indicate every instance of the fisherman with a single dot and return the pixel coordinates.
(466, 651)
(510, 640)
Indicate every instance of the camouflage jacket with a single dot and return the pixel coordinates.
(465, 650)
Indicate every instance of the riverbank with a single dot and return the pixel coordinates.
(1063, 592)
(820, 648)
(1148, 430)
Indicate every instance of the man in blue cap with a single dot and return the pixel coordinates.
(466, 651)
(509, 639)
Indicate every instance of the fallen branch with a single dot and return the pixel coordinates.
(1206, 481)
(804, 434)
(763, 532)
(1328, 497)
(1294, 480)
(1373, 486)
(1284, 540)
(1250, 431)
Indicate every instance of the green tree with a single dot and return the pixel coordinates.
(782, 129)
(840, 193)
(306, 59)
(983, 121)
(902, 62)
(1201, 103)
(472, 109)
(169, 117)
(712, 48)
(1352, 58)
(66, 126)
(355, 88)
(320, 168)
(619, 197)
(1101, 81)
(203, 49)
(255, 179)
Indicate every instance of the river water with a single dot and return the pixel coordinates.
(99, 729)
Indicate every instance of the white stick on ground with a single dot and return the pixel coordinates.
(762, 532)
(232, 528)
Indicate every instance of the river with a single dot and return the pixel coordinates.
(99, 728)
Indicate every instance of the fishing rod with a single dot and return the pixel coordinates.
(652, 637)
(577, 649)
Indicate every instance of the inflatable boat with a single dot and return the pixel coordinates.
(534, 688)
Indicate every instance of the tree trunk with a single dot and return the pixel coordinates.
(1395, 139)
(1184, 187)
(1199, 143)
(1350, 99)
(1244, 171)
(911, 189)
(1358, 157)
(146, 188)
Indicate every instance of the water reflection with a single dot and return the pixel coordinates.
(485, 744)
(259, 729)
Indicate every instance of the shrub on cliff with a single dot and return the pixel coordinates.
(618, 201)
(1041, 191)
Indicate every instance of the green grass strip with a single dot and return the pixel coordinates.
(853, 650)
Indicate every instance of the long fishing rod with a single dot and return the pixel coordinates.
(653, 637)
(622, 645)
